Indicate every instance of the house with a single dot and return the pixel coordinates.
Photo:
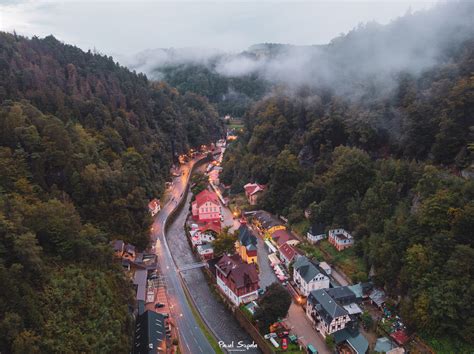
(205, 251)
(246, 245)
(206, 207)
(308, 276)
(253, 191)
(237, 280)
(288, 254)
(118, 246)
(384, 345)
(140, 282)
(316, 233)
(377, 297)
(266, 223)
(154, 207)
(326, 315)
(129, 252)
(150, 333)
(350, 341)
(340, 239)
(280, 237)
(214, 177)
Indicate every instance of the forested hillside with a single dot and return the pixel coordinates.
(84, 145)
(388, 168)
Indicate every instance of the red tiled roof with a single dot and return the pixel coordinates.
(287, 251)
(282, 236)
(153, 204)
(400, 337)
(210, 226)
(251, 188)
(206, 196)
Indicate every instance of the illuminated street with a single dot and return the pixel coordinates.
(191, 338)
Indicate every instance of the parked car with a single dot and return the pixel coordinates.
(159, 305)
(270, 335)
(284, 344)
(283, 334)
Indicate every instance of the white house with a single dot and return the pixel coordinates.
(326, 315)
(308, 276)
(316, 233)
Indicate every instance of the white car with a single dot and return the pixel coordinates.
(270, 335)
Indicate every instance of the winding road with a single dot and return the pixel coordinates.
(192, 339)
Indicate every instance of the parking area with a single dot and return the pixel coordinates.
(299, 324)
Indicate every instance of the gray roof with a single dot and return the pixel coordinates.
(357, 341)
(377, 296)
(139, 279)
(317, 229)
(266, 219)
(326, 306)
(342, 294)
(383, 345)
(246, 237)
(150, 332)
(306, 269)
(357, 290)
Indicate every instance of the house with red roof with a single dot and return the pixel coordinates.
(206, 207)
(280, 237)
(154, 207)
(288, 254)
(237, 280)
(253, 191)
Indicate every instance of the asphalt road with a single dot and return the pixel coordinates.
(192, 339)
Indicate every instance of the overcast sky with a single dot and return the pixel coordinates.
(122, 28)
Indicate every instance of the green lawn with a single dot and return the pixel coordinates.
(346, 260)
(301, 228)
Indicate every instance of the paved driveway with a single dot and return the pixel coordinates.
(267, 276)
(300, 325)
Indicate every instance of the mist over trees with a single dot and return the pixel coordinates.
(364, 63)
(384, 164)
(84, 145)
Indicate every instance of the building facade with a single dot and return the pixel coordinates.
(308, 276)
(237, 280)
(340, 239)
(206, 207)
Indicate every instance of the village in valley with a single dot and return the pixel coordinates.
(248, 254)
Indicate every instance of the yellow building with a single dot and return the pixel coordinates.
(246, 245)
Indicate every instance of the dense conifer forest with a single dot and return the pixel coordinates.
(84, 145)
(394, 168)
